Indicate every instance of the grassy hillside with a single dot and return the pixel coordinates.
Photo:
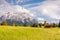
(28, 33)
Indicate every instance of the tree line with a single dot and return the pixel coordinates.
(44, 25)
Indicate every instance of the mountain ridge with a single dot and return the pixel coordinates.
(24, 18)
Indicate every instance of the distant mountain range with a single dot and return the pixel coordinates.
(22, 18)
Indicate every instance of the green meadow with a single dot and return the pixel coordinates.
(29, 33)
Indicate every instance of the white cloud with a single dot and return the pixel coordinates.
(13, 1)
(23, 0)
(19, 1)
(54, 21)
(6, 7)
(40, 19)
(3, 2)
(20, 9)
(31, 5)
(11, 8)
(32, 14)
(48, 8)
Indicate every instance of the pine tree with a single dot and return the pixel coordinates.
(59, 23)
(44, 23)
(40, 24)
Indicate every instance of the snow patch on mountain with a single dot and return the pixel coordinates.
(22, 17)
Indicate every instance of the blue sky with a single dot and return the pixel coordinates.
(41, 10)
(24, 3)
